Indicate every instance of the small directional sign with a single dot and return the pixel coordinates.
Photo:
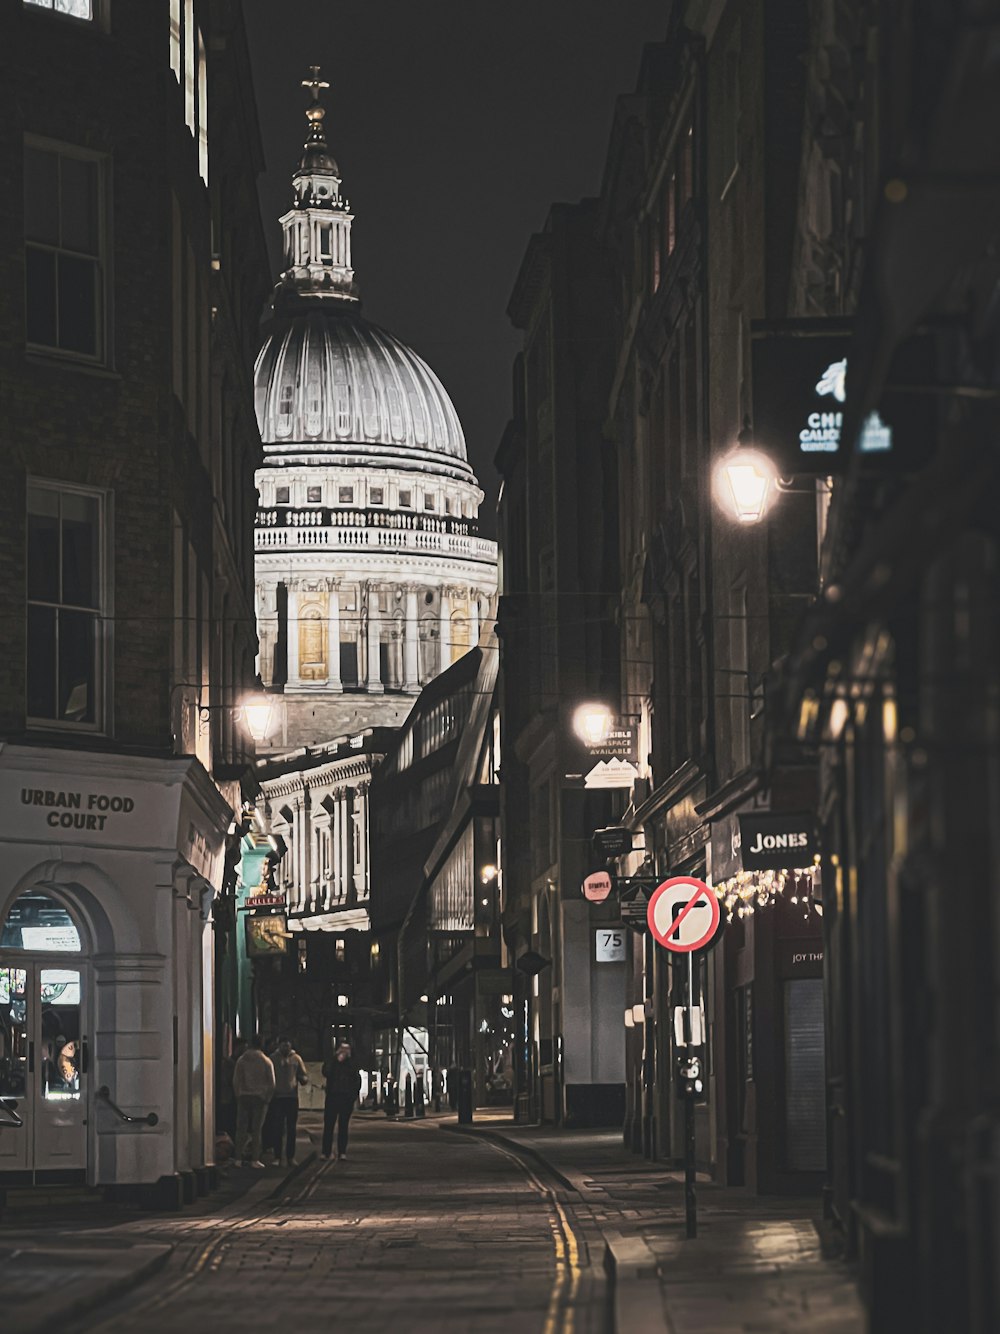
(683, 915)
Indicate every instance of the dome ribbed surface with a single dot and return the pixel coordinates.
(330, 380)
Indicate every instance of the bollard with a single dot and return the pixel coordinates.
(408, 1102)
(465, 1097)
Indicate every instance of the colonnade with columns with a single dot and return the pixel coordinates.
(314, 652)
(324, 823)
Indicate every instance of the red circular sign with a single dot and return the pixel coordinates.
(683, 915)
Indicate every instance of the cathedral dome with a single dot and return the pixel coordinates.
(328, 381)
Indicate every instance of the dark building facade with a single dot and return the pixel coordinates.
(787, 217)
(892, 679)
(132, 266)
(558, 524)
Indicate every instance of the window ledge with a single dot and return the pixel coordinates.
(37, 357)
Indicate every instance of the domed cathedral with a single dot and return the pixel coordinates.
(371, 575)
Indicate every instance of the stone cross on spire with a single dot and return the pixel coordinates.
(315, 83)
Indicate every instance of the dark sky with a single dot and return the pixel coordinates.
(455, 123)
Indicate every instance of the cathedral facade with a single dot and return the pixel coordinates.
(371, 580)
(371, 575)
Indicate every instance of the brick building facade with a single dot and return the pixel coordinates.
(132, 262)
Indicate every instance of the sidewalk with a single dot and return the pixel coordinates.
(61, 1259)
(757, 1263)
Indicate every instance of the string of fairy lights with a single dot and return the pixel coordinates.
(745, 892)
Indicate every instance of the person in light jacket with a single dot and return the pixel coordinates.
(343, 1084)
(253, 1084)
(289, 1073)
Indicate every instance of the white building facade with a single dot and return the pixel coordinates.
(371, 575)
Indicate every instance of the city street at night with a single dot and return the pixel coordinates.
(499, 666)
(425, 1229)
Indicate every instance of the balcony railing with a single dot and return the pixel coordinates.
(283, 529)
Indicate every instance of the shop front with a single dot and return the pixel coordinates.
(106, 970)
(768, 985)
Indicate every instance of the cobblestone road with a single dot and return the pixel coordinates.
(417, 1230)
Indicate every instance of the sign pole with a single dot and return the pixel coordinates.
(683, 916)
(690, 1194)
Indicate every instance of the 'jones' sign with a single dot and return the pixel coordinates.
(770, 842)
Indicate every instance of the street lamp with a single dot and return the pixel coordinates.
(258, 711)
(745, 480)
(592, 722)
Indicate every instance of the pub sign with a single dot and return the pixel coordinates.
(777, 842)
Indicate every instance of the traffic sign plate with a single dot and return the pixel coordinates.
(683, 915)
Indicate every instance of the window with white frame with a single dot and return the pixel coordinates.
(64, 247)
(76, 9)
(66, 605)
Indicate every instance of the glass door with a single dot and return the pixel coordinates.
(60, 1127)
(42, 1069)
(14, 1070)
(43, 1044)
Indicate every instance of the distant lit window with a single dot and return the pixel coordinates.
(377, 495)
(63, 251)
(428, 502)
(281, 495)
(405, 499)
(67, 615)
(447, 504)
(345, 495)
(76, 9)
(314, 495)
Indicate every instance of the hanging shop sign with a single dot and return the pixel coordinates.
(777, 842)
(800, 386)
(597, 887)
(608, 761)
(614, 841)
(267, 936)
(684, 915)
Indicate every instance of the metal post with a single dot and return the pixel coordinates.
(690, 1196)
(408, 1097)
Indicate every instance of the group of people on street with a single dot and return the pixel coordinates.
(266, 1090)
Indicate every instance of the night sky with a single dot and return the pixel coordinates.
(456, 124)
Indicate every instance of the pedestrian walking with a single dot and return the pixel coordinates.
(343, 1083)
(289, 1073)
(253, 1084)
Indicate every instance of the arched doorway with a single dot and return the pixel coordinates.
(44, 1009)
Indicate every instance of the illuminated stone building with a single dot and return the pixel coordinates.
(371, 575)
